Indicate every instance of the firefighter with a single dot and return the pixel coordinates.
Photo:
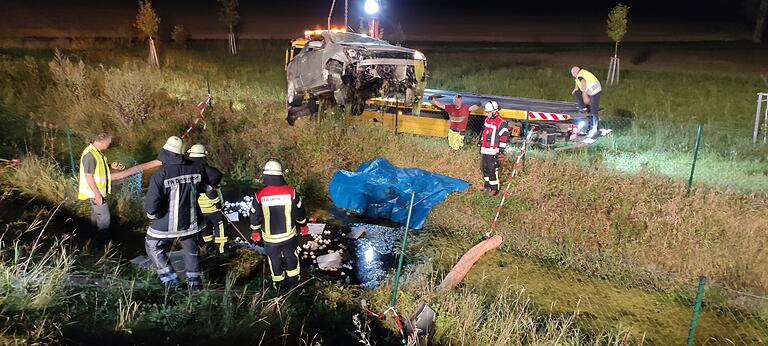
(587, 92)
(210, 202)
(458, 116)
(275, 215)
(493, 143)
(171, 204)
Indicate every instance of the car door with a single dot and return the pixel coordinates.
(311, 65)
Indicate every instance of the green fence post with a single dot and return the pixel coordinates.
(71, 153)
(696, 310)
(402, 252)
(695, 156)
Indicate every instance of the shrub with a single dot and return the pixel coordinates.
(179, 36)
(127, 92)
(69, 76)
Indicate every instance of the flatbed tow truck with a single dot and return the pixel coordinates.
(556, 121)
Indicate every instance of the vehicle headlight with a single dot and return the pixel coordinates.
(355, 53)
(419, 55)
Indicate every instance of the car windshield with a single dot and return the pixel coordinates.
(347, 37)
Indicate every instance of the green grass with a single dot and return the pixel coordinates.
(604, 213)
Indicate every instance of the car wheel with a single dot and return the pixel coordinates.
(294, 98)
(339, 89)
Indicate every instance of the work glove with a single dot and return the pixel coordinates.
(304, 230)
(256, 236)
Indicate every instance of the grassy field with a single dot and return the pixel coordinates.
(603, 213)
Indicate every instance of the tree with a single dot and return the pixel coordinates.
(397, 35)
(180, 36)
(147, 22)
(361, 26)
(616, 29)
(761, 22)
(617, 25)
(230, 18)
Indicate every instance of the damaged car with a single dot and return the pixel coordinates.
(348, 69)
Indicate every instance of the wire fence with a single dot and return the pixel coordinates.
(726, 159)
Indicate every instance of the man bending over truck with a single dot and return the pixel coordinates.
(587, 91)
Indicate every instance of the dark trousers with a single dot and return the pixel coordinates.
(283, 261)
(215, 231)
(491, 172)
(594, 106)
(157, 251)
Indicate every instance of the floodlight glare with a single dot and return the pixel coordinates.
(371, 7)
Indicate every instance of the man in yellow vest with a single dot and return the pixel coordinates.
(587, 90)
(95, 182)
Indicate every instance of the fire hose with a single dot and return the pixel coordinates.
(512, 176)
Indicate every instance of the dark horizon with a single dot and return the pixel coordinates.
(450, 20)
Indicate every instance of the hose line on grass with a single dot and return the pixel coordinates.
(402, 252)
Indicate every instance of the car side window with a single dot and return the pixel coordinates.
(314, 45)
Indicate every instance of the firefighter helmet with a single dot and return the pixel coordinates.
(491, 106)
(174, 144)
(197, 150)
(273, 167)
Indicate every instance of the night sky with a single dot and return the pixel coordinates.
(553, 20)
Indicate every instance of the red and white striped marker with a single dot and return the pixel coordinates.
(548, 116)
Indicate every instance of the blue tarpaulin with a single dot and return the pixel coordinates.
(382, 190)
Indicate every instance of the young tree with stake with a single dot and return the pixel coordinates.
(617, 28)
(229, 17)
(147, 22)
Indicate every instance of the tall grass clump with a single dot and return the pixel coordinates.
(70, 76)
(33, 277)
(32, 283)
(127, 92)
(42, 179)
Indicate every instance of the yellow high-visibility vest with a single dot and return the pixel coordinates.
(593, 85)
(208, 205)
(100, 175)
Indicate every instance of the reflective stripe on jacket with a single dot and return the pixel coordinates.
(495, 135)
(209, 205)
(593, 85)
(100, 175)
(276, 212)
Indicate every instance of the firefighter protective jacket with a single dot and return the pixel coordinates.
(276, 212)
(171, 200)
(495, 135)
(209, 201)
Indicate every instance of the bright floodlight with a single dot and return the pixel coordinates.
(371, 6)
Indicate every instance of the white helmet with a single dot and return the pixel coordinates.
(491, 106)
(273, 167)
(174, 144)
(197, 150)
